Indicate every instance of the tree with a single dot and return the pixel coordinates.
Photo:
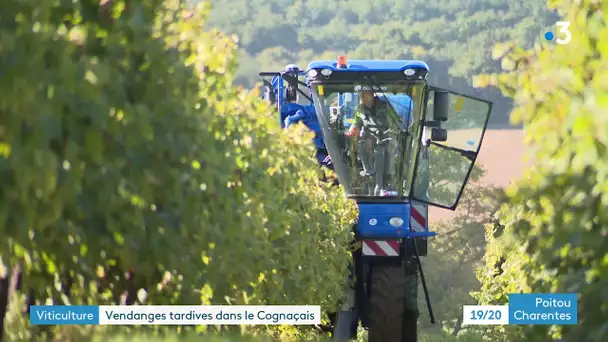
(555, 222)
(455, 38)
(126, 149)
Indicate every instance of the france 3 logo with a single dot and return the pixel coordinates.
(563, 31)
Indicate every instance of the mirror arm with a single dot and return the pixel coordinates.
(470, 155)
(432, 124)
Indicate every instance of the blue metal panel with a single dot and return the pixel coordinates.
(281, 92)
(374, 221)
(370, 65)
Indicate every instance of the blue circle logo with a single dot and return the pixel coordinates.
(549, 36)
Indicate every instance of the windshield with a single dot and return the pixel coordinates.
(371, 134)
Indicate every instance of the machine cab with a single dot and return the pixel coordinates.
(393, 137)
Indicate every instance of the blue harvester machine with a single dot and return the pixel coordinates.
(422, 155)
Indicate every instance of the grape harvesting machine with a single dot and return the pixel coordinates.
(397, 145)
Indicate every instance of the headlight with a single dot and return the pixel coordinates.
(396, 221)
(409, 72)
(312, 73)
(325, 72)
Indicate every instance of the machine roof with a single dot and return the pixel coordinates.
(371, 65)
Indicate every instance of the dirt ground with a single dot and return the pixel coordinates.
(501, 156)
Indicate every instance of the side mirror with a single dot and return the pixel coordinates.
(441, 106)
(439, 134)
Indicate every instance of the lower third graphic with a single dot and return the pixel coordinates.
(528, 309)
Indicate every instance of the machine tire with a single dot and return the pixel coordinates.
(393, 304)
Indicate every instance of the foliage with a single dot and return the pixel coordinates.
(556, 223)
(127, 150)
(500, 274)
(454, 37)
(139, 337)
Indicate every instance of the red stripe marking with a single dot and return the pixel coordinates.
(394, 245)
(418, 217)
(374, 247)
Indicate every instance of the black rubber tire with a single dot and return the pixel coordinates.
(393, 305)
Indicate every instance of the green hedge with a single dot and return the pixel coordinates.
(555, 224)
(125, 146)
